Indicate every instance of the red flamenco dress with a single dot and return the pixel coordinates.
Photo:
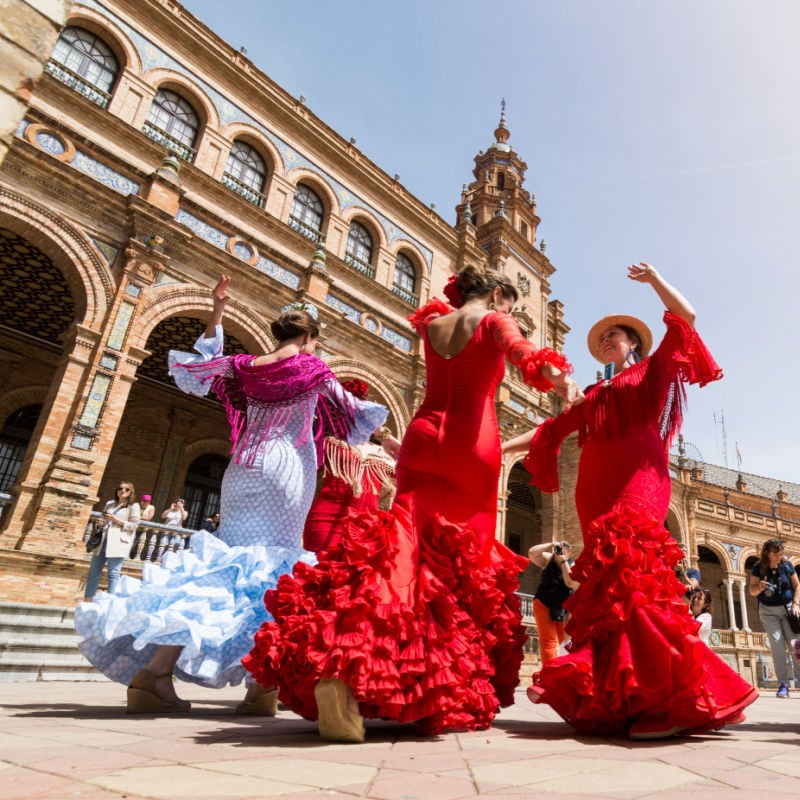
(635, 662)
(415, 609)
(354, 478)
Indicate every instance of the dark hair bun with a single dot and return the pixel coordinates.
(475, 282)
(294, 323)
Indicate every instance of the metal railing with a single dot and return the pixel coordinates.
(170, 142)
(152, 539)
(307, 231)
(409, 297)
(361, 266)
(79, 84)
(242, 189)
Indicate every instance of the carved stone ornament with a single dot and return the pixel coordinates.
(524, 284)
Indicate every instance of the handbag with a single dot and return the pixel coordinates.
(794, 622)
(95, 538)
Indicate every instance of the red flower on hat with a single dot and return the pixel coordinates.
(452, 293)
(357, 388)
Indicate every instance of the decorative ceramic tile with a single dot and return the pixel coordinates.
(22, 127)
(121, 324)
(50, 143)
(397, 339)
(353, 314)
(105, 175)
(108, 362)
(109, 252)
(281, 274)
(95, 400)
(516, 405)
(202, 229)
(133, 290)
(82, 442)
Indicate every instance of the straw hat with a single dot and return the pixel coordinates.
(618, 320)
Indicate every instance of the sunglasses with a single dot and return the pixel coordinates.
(123, 488)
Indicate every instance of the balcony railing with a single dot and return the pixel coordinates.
(409, 297)
(152, 539)
(249, 194)
(79, 84)
(362, 266)
(307, 231)
(170, 142)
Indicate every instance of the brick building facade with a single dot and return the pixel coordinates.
(153, 157)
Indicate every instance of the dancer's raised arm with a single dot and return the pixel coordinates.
(672, 299)
(220, 297)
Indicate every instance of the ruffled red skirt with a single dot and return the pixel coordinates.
(423, 629)
(634, 651)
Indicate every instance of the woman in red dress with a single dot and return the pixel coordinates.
(355, 478)
(635, 663)
(413, 617)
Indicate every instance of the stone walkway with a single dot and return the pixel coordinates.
(72, 740)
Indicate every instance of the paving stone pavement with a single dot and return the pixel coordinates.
(73, 740)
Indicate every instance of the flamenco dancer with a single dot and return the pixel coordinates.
(635, 664)
(354, 478)
(195, 618)
(413, 616)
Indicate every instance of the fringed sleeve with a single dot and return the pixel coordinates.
(422, 316)
(694, 362)
(522, 354)
(542, 458)
(206, 364)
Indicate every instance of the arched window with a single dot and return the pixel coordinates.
(359, 249)
(307, 213)
(84, 62)
(404, 283)
(14, 439)
(246, 172)
(202, 488)
(173, 122)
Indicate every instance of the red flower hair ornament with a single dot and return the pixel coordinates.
(357, 388)
(452, 292)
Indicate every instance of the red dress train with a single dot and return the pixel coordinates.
(416, 609)
(634, 651)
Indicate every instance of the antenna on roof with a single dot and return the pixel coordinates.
(720, 422)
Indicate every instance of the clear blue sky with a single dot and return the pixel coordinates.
(660, 131)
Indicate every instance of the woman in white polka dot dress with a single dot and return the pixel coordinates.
(195, 617)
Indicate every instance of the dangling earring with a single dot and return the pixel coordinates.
(632, 357)
(491, 306)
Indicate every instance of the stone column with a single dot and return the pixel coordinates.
(743, 603)
(729, 597)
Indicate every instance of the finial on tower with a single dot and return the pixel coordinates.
(501, 134)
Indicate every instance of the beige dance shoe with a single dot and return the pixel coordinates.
(338, 722)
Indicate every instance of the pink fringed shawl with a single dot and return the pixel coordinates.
(260, 399)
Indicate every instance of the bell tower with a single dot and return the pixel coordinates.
(497, 216)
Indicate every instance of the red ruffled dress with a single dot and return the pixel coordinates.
(354, 478)
(634, 651)
(416, 608)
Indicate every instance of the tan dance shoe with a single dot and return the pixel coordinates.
(265, 705)
(144, 698)
(338, 722)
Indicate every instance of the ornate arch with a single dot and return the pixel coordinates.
(114, 36)
(20, 397)
(84, 268)
(182, 299)
(413, 252)
(346, 368)
(160, 77)
(253, 136)
(718, 549)
(316, 182)
(366, 218)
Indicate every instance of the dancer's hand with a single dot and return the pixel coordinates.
(643, 273)
(220, 293)
(391, 446)
(565, 387)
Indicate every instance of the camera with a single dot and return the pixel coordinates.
(770, 589)
(558, 550)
